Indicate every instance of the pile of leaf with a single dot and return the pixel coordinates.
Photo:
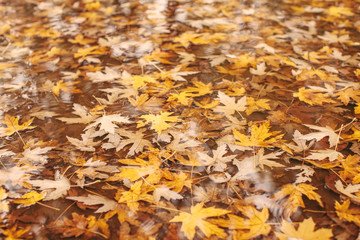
(155, 119)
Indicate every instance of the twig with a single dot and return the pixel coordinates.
(44, 205)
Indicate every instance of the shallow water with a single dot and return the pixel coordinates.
(180, 119)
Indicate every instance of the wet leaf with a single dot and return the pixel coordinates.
(13, 126)
(196, 218)
(305, 231)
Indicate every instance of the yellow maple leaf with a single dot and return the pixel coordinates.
(12, 125)
(357, 108)
(123, 214)
(252, 227)
(159, 56)
(350, 166)
(207, 103)
(138, 192)
(305, 231)
(149, 168)
(4, 28)
(83, 52)
(346, 95)
(197, 219)
(354, 136)
(30, 198)
(294, 193)
(357, 73)
(15, 233)
(159, 122)
(230, 70)
(81, 40)
(200, 89)
(339, 11)
(93, 5)
(146, 103)
(4, 205)
(255, 105)
(140, 81)
(183, 98)
(260, 136)
(349, 214)
(54, 51)
(65, 87)
(199, 38)
(312, 97)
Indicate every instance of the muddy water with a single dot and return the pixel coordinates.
(119, 116)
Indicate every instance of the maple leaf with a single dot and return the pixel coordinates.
(136, 139)
(179, 181)
(174, 74)
(218, 160)
(198, 38)
(182, 142)
(146, 103)
(80, 225)
(305, 231)
(54, 189)
(349, 214)
(207, 194)
(44, 114)
(294, 196)
(17, 175)
(94, 169)
(349, 190)
(246, 168)
(94, 50)
(159, 56)
(196, 218)
(260, 159)
(339, 11)
(137, 192)
(304, 175)
(255, 225)
(323, 154)
(106, 122)
(260, 136)
(87, 141)
(108, 75)
(301, 145)
(12, 125)
(30, 198)
(230, 105)
(255, 105)
(260, 69)
(92, 199)
(200, 88)
(323, 132)
(15, 233)
(166, 193)
(81, 40)
(35, 156)
(85, 115)
(183, 98)
(312, 97)
(159, 122)
(65, 87)
(140, 81)
(346, 95)
(149, 168)
(229, 140)
(350, 167)
(4, 205)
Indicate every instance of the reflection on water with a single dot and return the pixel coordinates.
(159, 119)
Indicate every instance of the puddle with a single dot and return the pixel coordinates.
(161, 119)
